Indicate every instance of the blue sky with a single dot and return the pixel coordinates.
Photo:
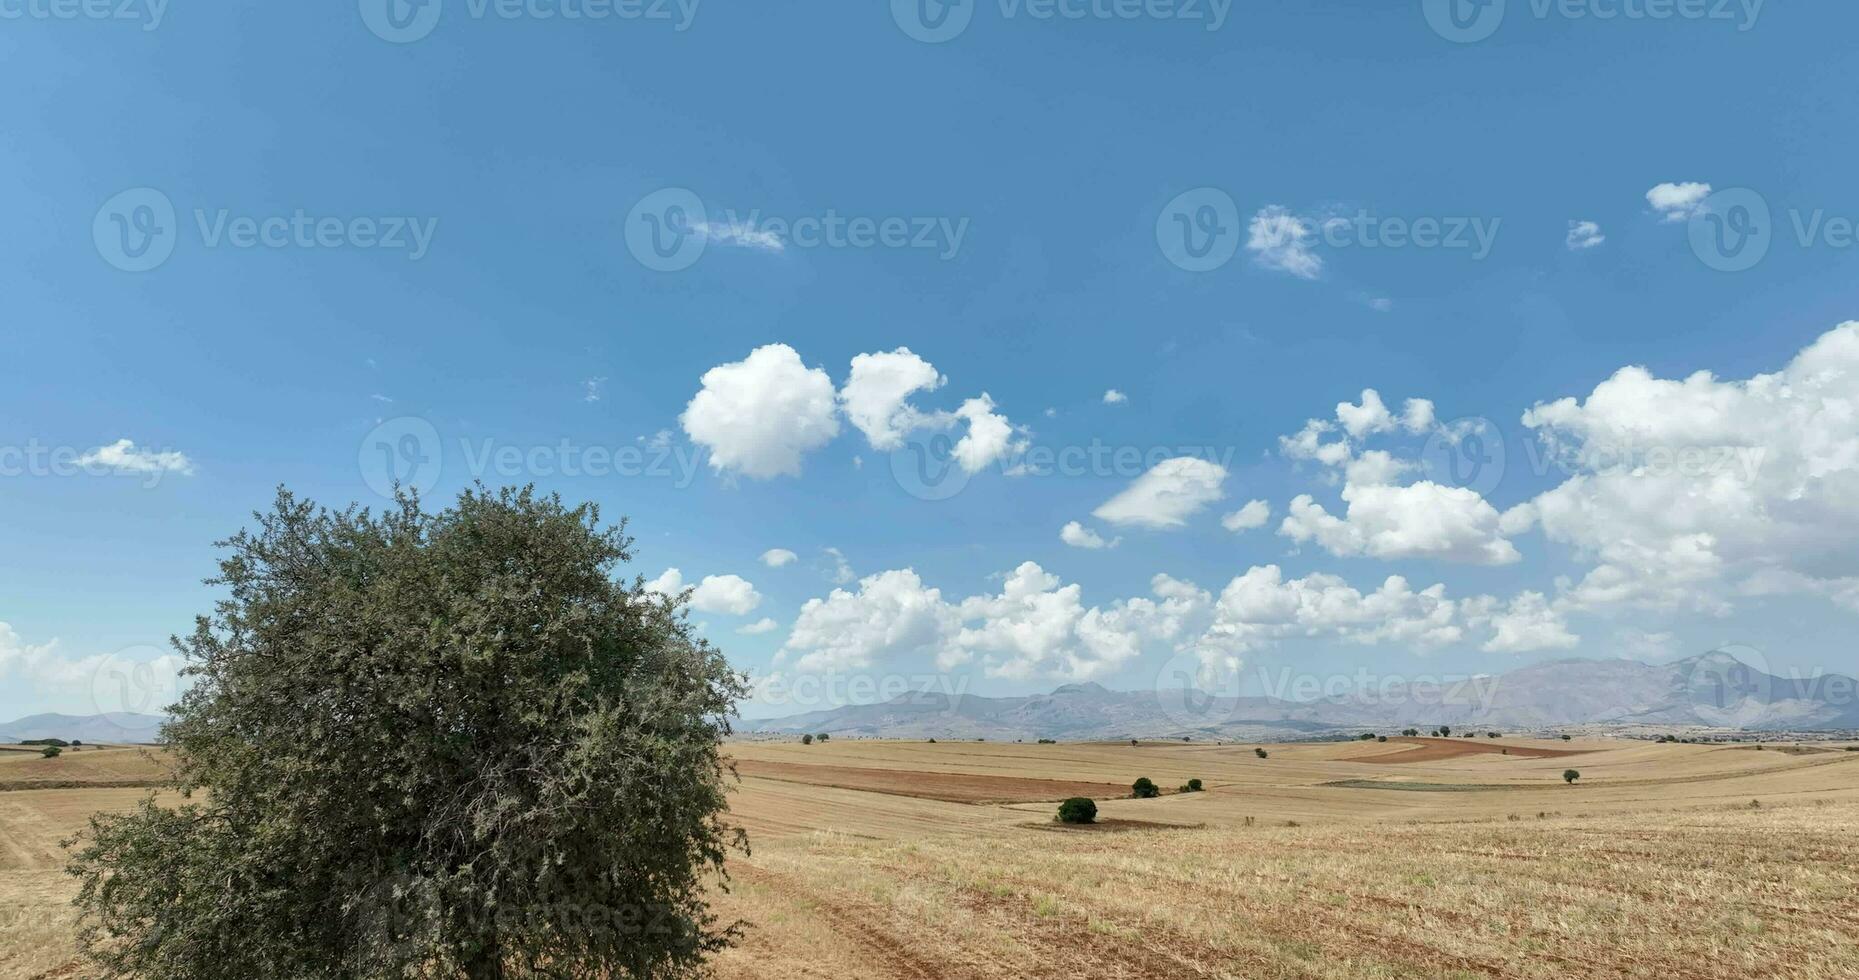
(473, 267)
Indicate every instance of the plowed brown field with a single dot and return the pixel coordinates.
(896, 861)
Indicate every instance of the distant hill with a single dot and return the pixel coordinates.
(115, 727)
(1714, 690)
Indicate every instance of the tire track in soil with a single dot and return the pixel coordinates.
(888, 954)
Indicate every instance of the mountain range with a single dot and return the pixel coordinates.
(117, 727)
(1715, 690)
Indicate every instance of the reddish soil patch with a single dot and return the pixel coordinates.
(950, 787)
(1436, 749)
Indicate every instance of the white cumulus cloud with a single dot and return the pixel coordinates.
(1253, 515)
(760, 416)
(778, 557)
(876, 396)
(1079, 536)
(1677, 202)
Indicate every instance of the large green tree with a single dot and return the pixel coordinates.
(428, 745)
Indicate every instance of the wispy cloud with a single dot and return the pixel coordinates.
(1281, 240)
(1584, 235)
(123, 456)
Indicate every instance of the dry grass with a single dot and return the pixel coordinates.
(1655, 865)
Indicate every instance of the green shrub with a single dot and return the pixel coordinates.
(1078, 809)
(806, 740)
(822, 737)
(1570, 775)
(1145, 788)
(1261, 753)
(51, 751)
(1445, 731)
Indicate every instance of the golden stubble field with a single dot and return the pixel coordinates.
(1412, 858)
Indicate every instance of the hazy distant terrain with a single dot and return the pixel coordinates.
(118, 727)
(1710, 691)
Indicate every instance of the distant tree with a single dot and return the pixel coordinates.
(822, 737)
(431, 745)
(1366, 736)
(1194, 785)
(1078, 809)
(1570, 775)
(1566, 738)
(1436, 734)
(1261, 753)
(1494, 734)
(1132, 741)
(1410, 732)
(1445, 731)
(1381, 738)
(77, 741)
(50, 751)
(932, 741)
(1145, 788)
(806, 740)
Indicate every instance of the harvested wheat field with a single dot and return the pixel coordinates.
(885, 859)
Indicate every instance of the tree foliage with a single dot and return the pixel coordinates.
(1078, 809)
(431, 745)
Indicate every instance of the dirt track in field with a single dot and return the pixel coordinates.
(949, 787)
(1437, 749)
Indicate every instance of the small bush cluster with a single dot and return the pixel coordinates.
(1191, 786)
(1078, 809)
(1145, 788)
(51, 751)
(1261, 753)
(1048, 741)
